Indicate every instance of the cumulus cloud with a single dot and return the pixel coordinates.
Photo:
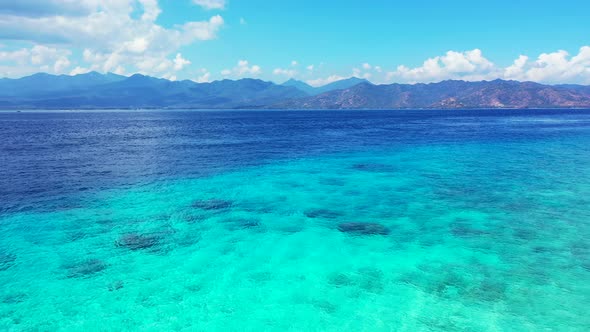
(284, 72)
(204, 76)
(288, 72)
(180, 62)
(61, 65)
(79, 70)
(21, 56)
(517, 68)
(43, 55)
(555, 67)
(115, 34)
(38, 58)
(210, 4)
(243, 69)
(366, 71)
(161, 67)
(469, 65)
(326, 80)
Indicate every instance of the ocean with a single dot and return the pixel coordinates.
(463, 220)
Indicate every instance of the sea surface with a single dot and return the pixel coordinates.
(471, 220)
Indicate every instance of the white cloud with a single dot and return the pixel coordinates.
(42, 54)
(323, 81)
(114, 33)
(120, 70)
(366, 71)
(180, 62)
(205, 30)
(61, 65)
(555, 67)
(137, 45)
(559, 67)
(310, 67)
(50, 59)
(204, 77)
(284, 72)
(288, 72)
(243, 69)
(79, 70)
(356, 72)
(151, 10)
(21, 56)
(169, 76)
(211, 4)
(469, 65)
(516, 70)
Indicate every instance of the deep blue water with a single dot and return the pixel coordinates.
(48, 155)
(471, 220)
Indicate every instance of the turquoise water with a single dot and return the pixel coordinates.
(478, 235)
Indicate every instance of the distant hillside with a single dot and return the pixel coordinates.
(94, 90)
(448, 94)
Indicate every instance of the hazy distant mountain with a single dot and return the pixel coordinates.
(343, 84)
(310, 90)
(39, 84)
(338, 85)
(94, 90)
(448, 94)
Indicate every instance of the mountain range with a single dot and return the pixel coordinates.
(94, 90)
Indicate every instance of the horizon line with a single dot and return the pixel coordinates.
(290, 79)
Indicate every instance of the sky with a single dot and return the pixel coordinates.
(313, 41)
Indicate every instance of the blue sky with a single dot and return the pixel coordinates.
(314, 41)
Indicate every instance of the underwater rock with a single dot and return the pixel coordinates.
(461, 231)
(371, 279)
(543, 250)
(75, 236)
(136, 241)
(525, 234)
(14, 298)
(212, 204)
(363, 228)
(6, 261)
(116, 285)
(325, 306)
(340, 280)
(374, 167)
(487, 290)
(290, 228)
(86, 268)
(323, 213)
(333, 182)
(193, 219)
(242, 223)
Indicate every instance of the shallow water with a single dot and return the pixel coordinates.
(374, 221)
